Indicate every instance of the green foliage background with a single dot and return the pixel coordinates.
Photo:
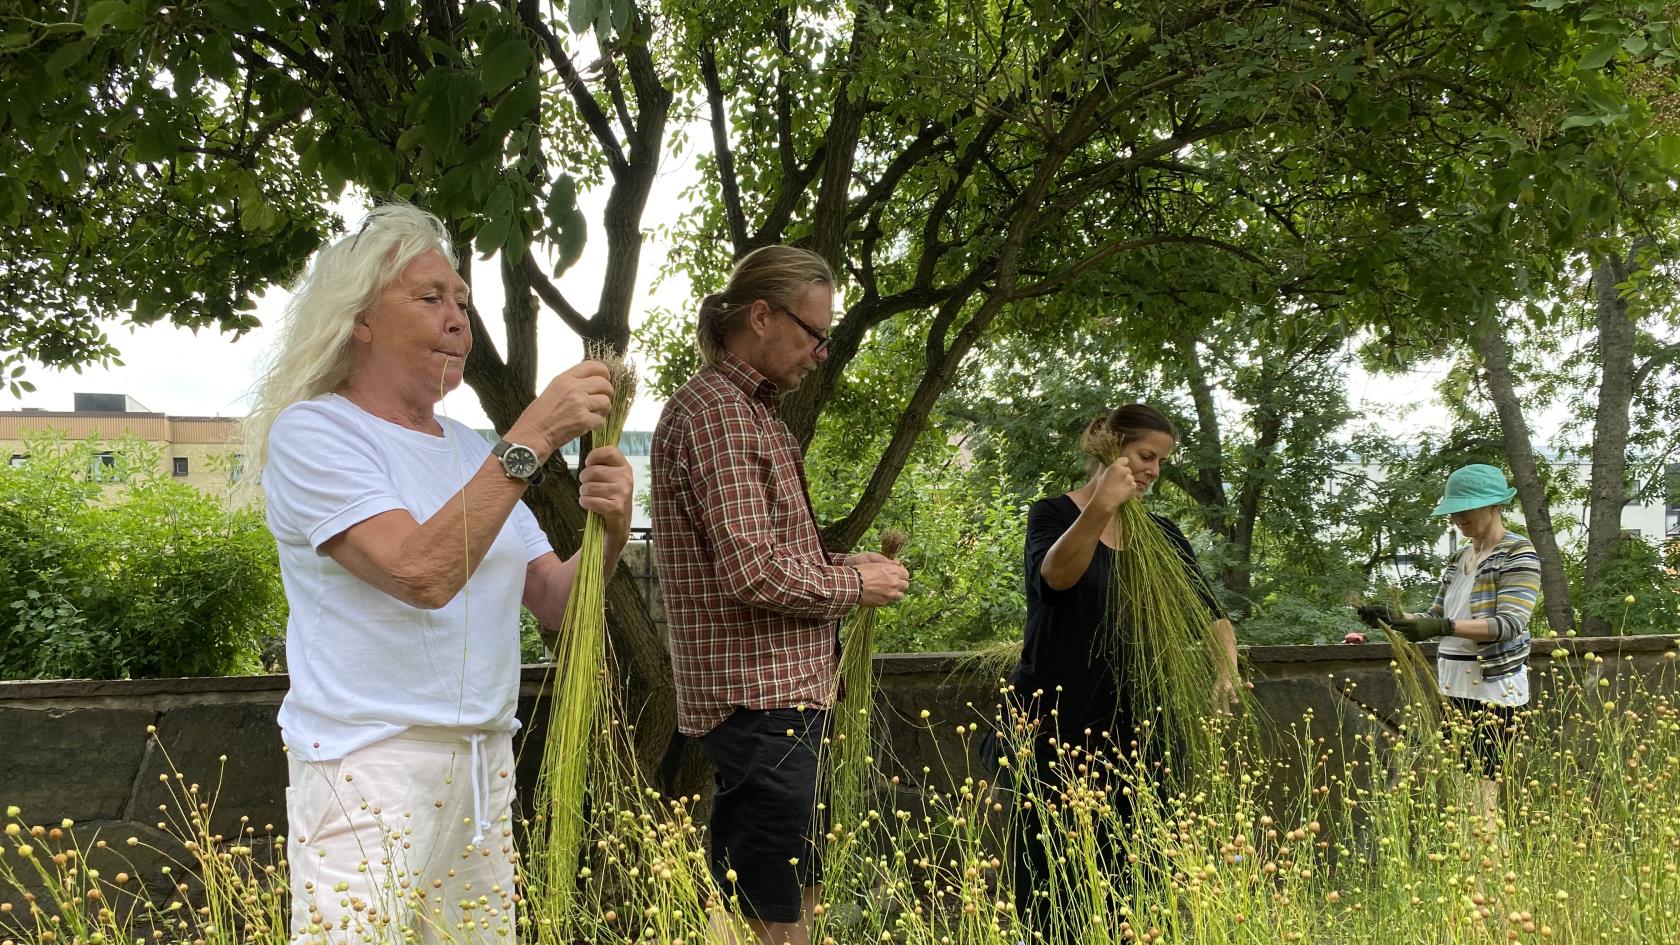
(125, 573)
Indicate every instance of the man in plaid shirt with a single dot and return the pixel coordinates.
(751, 596)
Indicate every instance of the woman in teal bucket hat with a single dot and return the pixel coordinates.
(1480, 614)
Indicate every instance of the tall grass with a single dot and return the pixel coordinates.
(1340, 829)
(1175, 658)
(580, 682)
(1165, 626)
(850, 762)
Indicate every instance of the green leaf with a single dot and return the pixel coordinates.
(581, 14)
(1600, 54)
(114, 13)
(453, 102)
(155, 141)
(562, 200)
(216, 54)
(574, 232)
(1668, 151)
(409, 140)
(66, 56)
(512, 110)
(504, 64)
(499, 217)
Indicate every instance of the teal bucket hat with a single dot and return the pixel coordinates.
(1473, 487)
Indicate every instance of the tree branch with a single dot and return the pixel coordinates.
(941, 370)
(590, 109)
(728, 182)
(552, 297)
(828, 219)
(782, 30)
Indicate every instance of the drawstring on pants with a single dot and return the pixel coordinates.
(479, 772)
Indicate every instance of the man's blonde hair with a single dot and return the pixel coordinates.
(777, 274)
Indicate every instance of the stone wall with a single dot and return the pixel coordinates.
(81, 749)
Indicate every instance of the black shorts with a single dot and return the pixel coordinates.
(1492, 729)
(765, 824)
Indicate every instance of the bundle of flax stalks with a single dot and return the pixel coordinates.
(1174, 656)
(1414, 677)
(850, 759)
(578, 695)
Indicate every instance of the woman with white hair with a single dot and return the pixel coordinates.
(406, 554)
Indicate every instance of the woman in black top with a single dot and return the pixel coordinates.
(1069, 686)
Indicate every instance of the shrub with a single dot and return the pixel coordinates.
(1635, 569)
(115, 571)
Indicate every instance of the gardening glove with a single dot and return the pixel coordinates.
(1376, 615)
(1419, 629)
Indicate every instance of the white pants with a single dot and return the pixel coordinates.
(381, 842)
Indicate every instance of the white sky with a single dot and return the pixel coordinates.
(176, 371)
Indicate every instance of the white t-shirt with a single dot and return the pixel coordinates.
(1456, 667)
(364, 665)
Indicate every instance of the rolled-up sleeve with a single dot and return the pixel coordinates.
(731, 471)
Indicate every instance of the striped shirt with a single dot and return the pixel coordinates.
(751, 596)
(1506, 587)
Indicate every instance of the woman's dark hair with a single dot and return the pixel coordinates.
(1105, 436)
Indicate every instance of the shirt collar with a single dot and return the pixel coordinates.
(746, 377)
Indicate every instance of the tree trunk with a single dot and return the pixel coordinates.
(1531, 492)
(1608, 490)
(1238, 574)
(1206, 450)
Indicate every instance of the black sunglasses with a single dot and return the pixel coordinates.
(821, 339)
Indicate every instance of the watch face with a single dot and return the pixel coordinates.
(520, 461)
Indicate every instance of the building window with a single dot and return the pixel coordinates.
(18, 459)
(104, 467)
(236, 467)
(180, 465)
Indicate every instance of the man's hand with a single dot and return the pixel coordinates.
(884, 582)
(1419, 629)
(866, 557)
(605, 487)
(1378, 614)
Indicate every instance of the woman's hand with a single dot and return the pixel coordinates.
(1419, 629)
(574, 403)
(606, 487)
(1226, 692)
(1376, 615)
(1115, 485)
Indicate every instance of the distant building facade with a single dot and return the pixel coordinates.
(202, 452)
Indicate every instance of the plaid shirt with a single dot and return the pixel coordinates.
(751, 596)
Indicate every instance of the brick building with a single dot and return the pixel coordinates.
(199, 451)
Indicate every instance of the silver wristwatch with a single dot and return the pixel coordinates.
(519, 462)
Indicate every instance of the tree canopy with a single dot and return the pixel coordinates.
(1225, 194)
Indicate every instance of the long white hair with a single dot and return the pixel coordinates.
(313, 355)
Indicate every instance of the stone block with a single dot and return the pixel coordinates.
(75, 762)
(191, 741)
